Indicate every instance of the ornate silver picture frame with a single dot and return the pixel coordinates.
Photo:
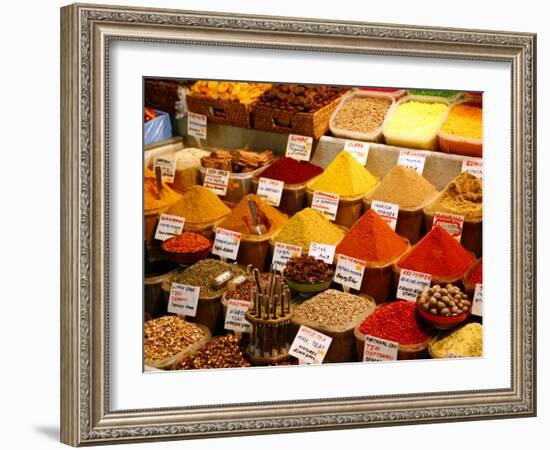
(87, 31)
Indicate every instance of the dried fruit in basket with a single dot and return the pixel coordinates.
(244, 93)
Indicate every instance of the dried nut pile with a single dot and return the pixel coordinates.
(167, 336)
(447, 301)
(362, 114)
(332, 308)
(221, 352)
(307, 269)
(298, 97)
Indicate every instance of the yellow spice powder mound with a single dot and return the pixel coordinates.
(416, 119)
(309, 226)
(152, 199)
(199, 205)
(462, 196)
(465, 121)
(467, 341)
(344, 176)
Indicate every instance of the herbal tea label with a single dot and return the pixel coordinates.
(412, 284)
(359, 150)
(196, 125)
(235, 316)
(299, 147)
(349, 272)
(310, 346)
(477, 305)
(169, 226)
(167, 167)
(327, 203)
(412, 160)
(377, 349)
(387, 211)
(216, 180)
(226, 243)
(183, 299)
(451, 223)
(473, 166)
(283, 252)
(324, 252)
(270, 190)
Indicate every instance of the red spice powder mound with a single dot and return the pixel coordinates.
(397, 322)
(477, 275)
(371, 239)
(291, 171)
(438, 254)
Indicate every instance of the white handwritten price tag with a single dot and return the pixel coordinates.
(299, 147)
(270, 190)
(183, 299)
(359, 150)
(473, 166)
(412, 160)
(327, 203)
(196, 125)
(235, 316)
(324, 252)
(283, 252)
(389, 212)
(349, 272)
(167, 167)
(226, 243)
(217, 181)
(412, 284)
(169, 226)
(310, 346)
(377, 349)
(477, 305)
(451, 223)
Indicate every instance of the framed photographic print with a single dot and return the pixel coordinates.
(278, 225)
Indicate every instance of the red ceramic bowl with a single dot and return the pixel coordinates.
(185, 258)
(443, 322)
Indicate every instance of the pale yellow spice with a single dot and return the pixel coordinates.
(467, 341)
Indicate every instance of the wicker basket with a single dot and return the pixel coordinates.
(313, 124)
(225, 112)
(162, 94)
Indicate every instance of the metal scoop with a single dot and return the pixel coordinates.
(259, 228)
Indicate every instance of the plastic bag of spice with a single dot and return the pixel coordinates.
(342, 348)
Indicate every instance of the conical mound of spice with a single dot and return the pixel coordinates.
(462, 196)
(309, 226)
(152, 198)
(372, 240)
(404, 187)
(344, 176)
(199, 205)
(291, 171)
(439, 254)
(240, 219)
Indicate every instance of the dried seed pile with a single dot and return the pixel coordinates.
(222, 352)
(167, 336)
(362, 114)
(307, 269)
(332, 308)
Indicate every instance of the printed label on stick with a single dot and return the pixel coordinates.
(169, 226)
(270, 190)
(413, 160)
(359, 150)
(326, 203)
(310, 346)
(451, 223)
(412, 284)
(183, 299)
(324, 252)
(473, 166)
(216, 180)
(196, 125)
(235, 316)
(477, 305)
(377, 349)
(226, 243)
(299, 147)
(349, 272)
(167, 167)
(387, 211)
(283, 252)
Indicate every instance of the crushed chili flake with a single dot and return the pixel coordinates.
(187, 242)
